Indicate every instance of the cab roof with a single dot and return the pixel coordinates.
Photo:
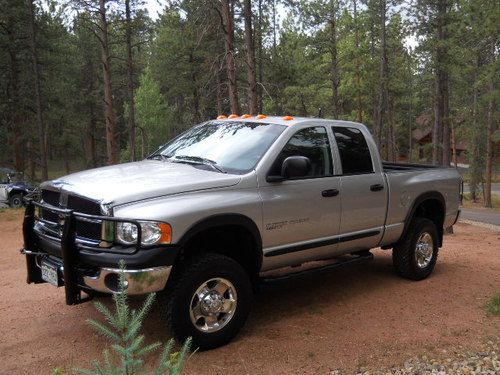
(280, 120)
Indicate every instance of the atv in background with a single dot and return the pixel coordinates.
(13, 188)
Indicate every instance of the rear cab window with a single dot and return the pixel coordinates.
(354, 153)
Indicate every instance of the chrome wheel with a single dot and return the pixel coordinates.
(213, 305)
(424, 250)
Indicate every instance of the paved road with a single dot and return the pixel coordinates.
(495, 188)
(483, 216)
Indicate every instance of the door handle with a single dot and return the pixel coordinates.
(330, 193)
(376, 187)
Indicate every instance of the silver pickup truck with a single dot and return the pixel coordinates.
(207, 215)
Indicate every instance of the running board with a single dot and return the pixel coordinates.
(278, 275)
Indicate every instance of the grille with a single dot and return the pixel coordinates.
(52, 198)
(84, 229)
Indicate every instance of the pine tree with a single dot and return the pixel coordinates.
(122, 330)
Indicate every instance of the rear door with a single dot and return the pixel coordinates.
(363, 191)
(301, 216)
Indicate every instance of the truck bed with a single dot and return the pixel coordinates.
(405, 167)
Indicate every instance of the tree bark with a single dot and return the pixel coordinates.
(15, 117)
(227, 21)
(196, 94)
(473, 185)
(359, 102)
(111, 145)
(259, 58)
(130, 81)
(453, 145)
(42, 136)
(335, 75)
(383, 73)
(442, 106)
(489, 147)
(250, 49)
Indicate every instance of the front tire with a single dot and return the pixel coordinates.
(208, 300)
(16, 201)
(415, 256)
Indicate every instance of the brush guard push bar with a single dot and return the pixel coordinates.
(69, 247)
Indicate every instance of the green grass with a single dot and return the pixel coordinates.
(493, 305)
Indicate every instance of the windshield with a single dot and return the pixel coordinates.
(228, 146)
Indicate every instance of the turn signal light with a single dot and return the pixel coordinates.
(221, 117)
(233, 116)
(287, 118)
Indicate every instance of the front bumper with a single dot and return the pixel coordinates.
(83, 268)
(141, 281)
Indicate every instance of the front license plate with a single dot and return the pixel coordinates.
(49, 274)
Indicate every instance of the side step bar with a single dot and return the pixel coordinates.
(279, 275)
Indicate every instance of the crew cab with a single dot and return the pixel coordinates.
(209, 214)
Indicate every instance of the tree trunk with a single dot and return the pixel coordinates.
(229, 48)
(442, 106)
(335, 76)
(489, 147)
(15, 118)
(453, 145)
(130, 80)
(111, 145)
(474, 180)
(382, 90)
(259, 57)
(250, 48)
(220, 107)
(196, 95)
(359, 102)
(391, 141)
(38, 92)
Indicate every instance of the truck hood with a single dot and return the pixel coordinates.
(129, 182)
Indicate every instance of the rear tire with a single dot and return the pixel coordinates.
(208, 299)
(415, 256)
(16, 201)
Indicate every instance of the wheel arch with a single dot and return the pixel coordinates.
(17, 191)
(238, 227)
(431, 205)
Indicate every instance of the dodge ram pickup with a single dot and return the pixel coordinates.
(209, 214)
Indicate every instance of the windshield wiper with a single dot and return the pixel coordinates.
(199, 160)
(157, 157)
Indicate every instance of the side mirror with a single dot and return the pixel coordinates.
(292, 167)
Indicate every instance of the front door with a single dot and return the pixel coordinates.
(302, 216)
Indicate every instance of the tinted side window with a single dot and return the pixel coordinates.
(354, 153)
(312, 143)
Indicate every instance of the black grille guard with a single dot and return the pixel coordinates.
(69, 248)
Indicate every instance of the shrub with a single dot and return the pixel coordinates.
(493, 305)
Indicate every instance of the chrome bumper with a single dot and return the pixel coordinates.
(141, 281)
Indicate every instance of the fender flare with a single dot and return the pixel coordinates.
(434, 195)
(220, 220)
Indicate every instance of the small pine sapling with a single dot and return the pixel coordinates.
(122, 329)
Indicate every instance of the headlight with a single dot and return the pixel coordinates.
(152, 233)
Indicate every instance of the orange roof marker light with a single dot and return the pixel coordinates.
(233, 116)
(221, 117)
(246, 115)
(287, 118)
(260, 117)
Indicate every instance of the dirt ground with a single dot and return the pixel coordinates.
(357, 316)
